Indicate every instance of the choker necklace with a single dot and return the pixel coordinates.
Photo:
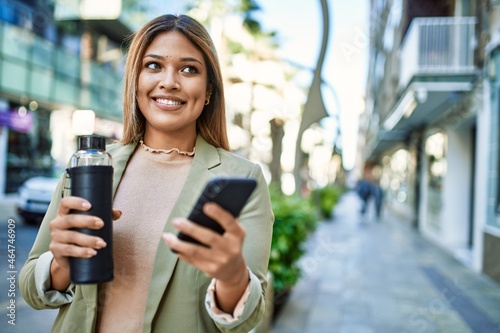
(167, 151)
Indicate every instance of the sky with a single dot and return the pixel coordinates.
(298, 24)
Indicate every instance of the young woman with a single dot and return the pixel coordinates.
(174, 142)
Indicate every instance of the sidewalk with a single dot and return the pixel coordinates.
(371, 277)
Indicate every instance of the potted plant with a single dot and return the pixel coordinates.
(325, 199)
(295, 219)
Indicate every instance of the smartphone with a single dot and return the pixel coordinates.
(229, 193)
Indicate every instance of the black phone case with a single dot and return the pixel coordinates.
(229, 193)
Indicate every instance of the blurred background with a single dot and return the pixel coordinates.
(320, 93)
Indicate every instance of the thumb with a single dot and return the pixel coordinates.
(116, 214)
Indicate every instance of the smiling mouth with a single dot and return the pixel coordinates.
(167, 101)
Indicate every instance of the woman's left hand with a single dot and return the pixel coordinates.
(222, 259)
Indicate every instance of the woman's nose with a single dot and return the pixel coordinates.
(169, 79)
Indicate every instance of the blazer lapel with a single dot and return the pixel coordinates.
(120, 156)
(206, 158)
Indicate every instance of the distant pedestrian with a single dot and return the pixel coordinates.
(364, 191)
(378, 197)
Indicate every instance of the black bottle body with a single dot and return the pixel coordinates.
(95, 184)
(91, 178)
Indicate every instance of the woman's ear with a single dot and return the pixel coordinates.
(209, 91)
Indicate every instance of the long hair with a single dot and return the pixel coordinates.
(211, 124)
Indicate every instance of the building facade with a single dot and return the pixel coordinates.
(60, 76)
(431, 123)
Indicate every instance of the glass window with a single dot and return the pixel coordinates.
(13, 76)
(28, 153)
(435, 151)
(16, 42)
(396, 176)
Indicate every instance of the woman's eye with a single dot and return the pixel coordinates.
(190, 70)
(152, 65)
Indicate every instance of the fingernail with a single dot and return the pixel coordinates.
(168, 237)
(100, 244)
(91, 252)
(177, 222)
(86, 204)
(209, 208)
(99, 223)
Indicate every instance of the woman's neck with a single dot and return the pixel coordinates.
(166, 142)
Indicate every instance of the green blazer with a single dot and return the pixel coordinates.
(177, 290)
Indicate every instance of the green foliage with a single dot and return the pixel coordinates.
(295, 220)
(234, 47)
(325, 199)
(248, 8)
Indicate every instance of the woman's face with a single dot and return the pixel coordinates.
(172, 86)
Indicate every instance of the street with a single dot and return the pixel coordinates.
(17, 243)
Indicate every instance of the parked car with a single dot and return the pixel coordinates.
(34, 198)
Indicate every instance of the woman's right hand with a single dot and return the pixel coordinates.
(66, 242)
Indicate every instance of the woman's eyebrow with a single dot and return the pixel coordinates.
(153, 56)
(189, 59)
(183, 59)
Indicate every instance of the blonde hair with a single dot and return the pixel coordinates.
(211, 124)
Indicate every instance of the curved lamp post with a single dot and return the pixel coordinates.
(314, 109)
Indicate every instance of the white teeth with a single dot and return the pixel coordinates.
(167, 102)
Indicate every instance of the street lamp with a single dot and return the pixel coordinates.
(314, 109)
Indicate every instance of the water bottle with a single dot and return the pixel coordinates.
(91, 178)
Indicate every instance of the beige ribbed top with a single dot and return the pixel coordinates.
(146, 195)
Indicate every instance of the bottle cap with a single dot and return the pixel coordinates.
(91, 142)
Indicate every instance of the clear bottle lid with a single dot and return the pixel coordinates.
(91, 151)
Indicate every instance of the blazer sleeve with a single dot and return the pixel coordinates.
(257, 219)
(33, 292)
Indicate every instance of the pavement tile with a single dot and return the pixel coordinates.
(356, 329)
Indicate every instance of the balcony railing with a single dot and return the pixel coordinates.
(437, 46)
